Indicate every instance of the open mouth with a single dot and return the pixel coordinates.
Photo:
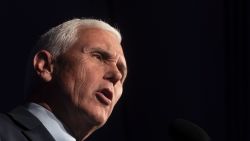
(104, 96)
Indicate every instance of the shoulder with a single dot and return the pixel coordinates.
(5, 121)
(14, 123)
(8, 129)
(7, 124)
(8, 120)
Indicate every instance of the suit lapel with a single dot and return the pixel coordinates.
(31, 127)
(39, 133)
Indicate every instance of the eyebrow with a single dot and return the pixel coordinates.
(121, 66)
(104, 52)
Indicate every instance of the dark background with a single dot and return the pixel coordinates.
(186, 59)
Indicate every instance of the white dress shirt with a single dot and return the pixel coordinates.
(51, 122)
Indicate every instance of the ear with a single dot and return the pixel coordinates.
(43, 65)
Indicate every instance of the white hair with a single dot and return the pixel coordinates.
(63, 36)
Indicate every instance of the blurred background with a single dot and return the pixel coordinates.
(186, 59)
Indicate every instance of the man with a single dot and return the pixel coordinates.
(78, 73)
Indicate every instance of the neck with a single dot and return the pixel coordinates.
(76, 123)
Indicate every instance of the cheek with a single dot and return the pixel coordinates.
(86, 81)
(94, 74)
(74, 81)
(80, 76)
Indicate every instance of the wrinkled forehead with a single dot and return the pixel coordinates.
(92, 31)
(100, 38)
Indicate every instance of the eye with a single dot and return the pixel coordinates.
(98, 56)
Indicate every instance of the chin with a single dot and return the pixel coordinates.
(100, 121)
(96, 116)
(96, 119)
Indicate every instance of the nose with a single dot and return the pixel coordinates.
(113, 74)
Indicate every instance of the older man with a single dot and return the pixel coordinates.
(78, 71)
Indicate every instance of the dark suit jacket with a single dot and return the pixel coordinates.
(21, 125)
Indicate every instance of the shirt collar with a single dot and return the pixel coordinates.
(51, 122)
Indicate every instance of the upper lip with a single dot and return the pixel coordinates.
(108, 93)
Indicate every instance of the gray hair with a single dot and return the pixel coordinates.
(63, 36)
(59, 38)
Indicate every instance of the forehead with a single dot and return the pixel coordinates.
(99, 38)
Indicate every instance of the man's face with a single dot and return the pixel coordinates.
(91, 75)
